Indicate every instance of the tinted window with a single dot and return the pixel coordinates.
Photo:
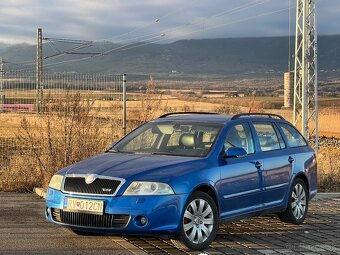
(294, 138)
(240, 136)
(267, 136)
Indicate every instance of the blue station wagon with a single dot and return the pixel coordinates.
(182, 174)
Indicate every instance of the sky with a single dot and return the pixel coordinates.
(161, 21)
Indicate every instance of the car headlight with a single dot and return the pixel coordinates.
(56, 182)
(137, 188)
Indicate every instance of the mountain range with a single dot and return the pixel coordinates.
(185, 57)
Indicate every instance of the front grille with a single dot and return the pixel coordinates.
(90, 220)
(99, 186)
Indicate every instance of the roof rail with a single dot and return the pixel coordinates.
(183, 113)
(269, 115)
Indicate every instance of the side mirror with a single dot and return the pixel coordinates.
(235, 152)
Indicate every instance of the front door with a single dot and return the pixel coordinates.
(240, 187)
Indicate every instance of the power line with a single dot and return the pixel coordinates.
(159, 36)
(99, 55)
(202, 20)
(148, 37)
(155, 21)
(164, 32)
(223, 13)
(124, 48)
(214, 27)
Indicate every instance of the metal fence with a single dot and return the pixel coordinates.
(46, 123)
(19, 90)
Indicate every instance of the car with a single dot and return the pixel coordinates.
(181, 175)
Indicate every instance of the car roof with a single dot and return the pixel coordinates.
(216, 118)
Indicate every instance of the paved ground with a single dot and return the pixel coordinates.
(23, 230)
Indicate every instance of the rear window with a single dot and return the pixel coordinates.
(293, 137)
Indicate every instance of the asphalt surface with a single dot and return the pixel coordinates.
(23, 230)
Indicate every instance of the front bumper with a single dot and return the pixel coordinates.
(163, 213)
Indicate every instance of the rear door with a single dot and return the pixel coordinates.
(277, 162)
(303, 154)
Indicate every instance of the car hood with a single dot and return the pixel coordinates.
(124, 165)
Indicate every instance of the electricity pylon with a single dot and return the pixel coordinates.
(305, 108)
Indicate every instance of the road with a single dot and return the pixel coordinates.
(23, 230)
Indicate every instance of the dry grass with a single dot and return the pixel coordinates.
(34, 146)
(66, 133)
(329, 169)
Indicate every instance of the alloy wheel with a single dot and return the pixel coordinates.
(299, 200)
(198, 221)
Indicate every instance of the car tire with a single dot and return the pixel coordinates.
(199, 224)
(297, 206)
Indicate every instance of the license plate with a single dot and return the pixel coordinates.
(84, 205)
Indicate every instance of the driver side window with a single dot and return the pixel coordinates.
(240, 136)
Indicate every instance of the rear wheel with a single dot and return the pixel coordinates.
(297, 204)
(199, 223)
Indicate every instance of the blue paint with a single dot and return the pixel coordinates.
(256, 184)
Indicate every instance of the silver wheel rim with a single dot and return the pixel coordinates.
(299, 200)
(198, 221)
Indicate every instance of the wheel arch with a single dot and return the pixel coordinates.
(304, 178)
(208, 189)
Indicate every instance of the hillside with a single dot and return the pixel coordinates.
(205, 56)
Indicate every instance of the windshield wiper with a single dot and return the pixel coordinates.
(166, 154)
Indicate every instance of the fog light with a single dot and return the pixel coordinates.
(140, 221)
(143, 220)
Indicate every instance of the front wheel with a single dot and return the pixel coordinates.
(297, 204)
(200, 222)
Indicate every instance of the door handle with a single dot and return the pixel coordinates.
(258, 164)
(290, 159)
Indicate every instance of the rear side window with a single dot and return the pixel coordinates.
(267, 136)
(294, 138)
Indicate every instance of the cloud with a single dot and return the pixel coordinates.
(130, 19)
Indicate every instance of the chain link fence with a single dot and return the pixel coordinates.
(79, 115)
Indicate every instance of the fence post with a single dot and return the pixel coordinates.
(39, 70)
(124, 104)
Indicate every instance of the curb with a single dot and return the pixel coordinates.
(40, 192)
(327, 195)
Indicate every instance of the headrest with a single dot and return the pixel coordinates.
(188, 140)
(266, 141)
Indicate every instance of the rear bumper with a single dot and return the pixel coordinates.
(163, 213)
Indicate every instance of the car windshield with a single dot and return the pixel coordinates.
(170, 138)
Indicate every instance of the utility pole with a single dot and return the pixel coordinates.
(2, 98)
(39, 72)
(305, 108)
